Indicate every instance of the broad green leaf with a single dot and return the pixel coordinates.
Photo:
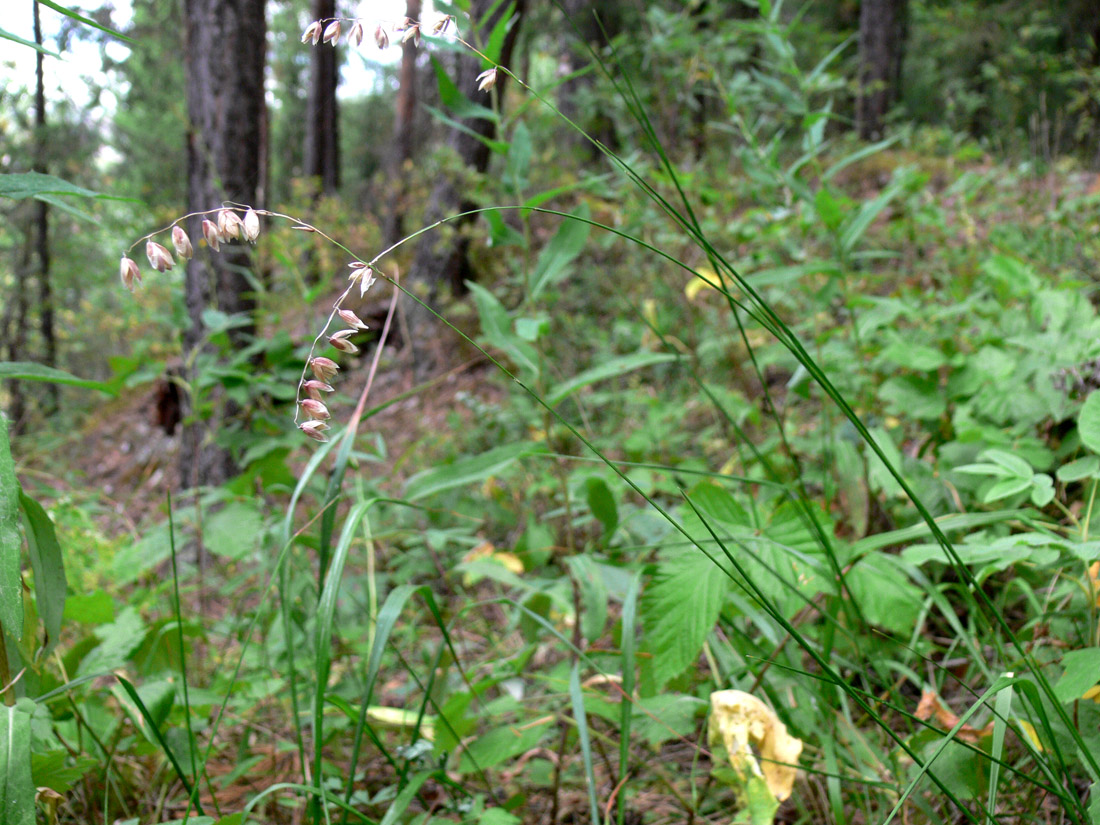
(593, 595)
(11, 544)
(407, 794)
(117, 641)
(1006, 488)
(1079, 469)
(90, 608)
(19, 185)
(233, 531)
(610, 368)
(502, 744)
(556, 256)
(500, 233)
(16, 788)
(50, 585)
(28, 371)
(1080, 671)
(451, 97)
(1013, 463)
(1088, 422)
(680, 607)
(466, 470)
(496, 326)
(602, 504)
(884, 593)
(718, 503)
(858, 223)
(52, 769)
(519, 158)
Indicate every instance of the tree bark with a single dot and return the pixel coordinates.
(322, 144)
(42, 227)
(225, 43)
(404, 132)
(441, 260)
(882, 33)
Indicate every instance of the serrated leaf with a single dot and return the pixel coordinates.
(1080, 671)
(680, 606)
(1088, 422)
(11, 543)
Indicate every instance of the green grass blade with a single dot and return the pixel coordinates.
(576, 696)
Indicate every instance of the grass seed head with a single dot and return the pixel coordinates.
(381, 39)
(212, 235)
(128, 270)
(314, 429)
(315, 409)
(251, 225)
(312, 34)
(355, 34)
(159, 258)
(351, 319)
(332, 33)
(324, 368)
(487, 80)
(182, 243)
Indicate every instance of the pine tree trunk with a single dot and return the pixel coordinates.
(322, 144)
(42, 227)
(404, 133)
(225, 42)
(882, 32)
(441, 260)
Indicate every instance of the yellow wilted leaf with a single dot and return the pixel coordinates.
(1029, 731)
(400, 718)
(486, 550)
(1092, 693)
(739, 720)
(697, 284)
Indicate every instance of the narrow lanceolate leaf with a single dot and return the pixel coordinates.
(29, 371)
(49, 568)
(11, 601)
(16, 787)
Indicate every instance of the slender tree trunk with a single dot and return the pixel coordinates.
(441, 259)
(882, 33)
(225, 43)
(594, 25)
(42, 226)
(322, 144)
(404, 133)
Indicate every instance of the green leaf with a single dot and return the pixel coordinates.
(5, 35)
(52, 769)
(1079, 469)
(593, 595)
(494, 44)
(1013, 463)
(28, 371)
(460, 105)
(556, 256)
(519, 158)
(496, 326)
(404, 798)
(16, 788)
(885, 595)
(1080, 671)
(602, 504)
(679, 608)
(50, 585)
(11, 545)
(608, 369)
(233, 531)
(90, 608)
(466, 470)
(1006, 488)
(501, 744)
(85, 20)
(1088, 422)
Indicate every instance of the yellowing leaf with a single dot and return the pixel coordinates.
(486, 550)
(698, 284)
(401, 718)
(1092, 693)
(1029, 731)
(739, 721)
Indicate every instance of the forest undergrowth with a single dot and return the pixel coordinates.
(750, 487)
